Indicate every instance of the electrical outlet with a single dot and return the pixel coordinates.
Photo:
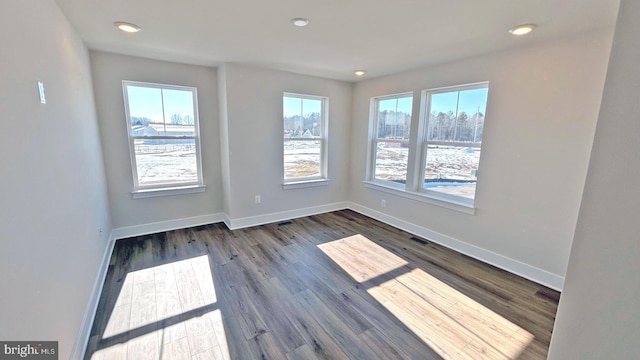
(258, 199)
(383, 203)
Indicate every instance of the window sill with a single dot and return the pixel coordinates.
(305, 184)
(176, 190)
(432, 199)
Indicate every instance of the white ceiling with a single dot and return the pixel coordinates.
(381, 36)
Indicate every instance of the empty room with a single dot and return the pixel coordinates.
(428, 179)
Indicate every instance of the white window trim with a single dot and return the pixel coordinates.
(416, 166)
(322, 179)
(425, 100)
(305, 184)
(452, 204)
(177, 188)
(374, 140)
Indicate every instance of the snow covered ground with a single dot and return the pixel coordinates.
(301, 158)
(158, 164)
(449, 170)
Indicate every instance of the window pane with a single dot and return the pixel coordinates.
(145, 107)
(302, 117)
(178, 112)
(457, 115)
(166, 161)
(452, 170)
(394, 118)
(391, 161)
(301, 158)
(303, 136)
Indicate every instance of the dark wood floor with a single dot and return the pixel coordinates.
(332, 286)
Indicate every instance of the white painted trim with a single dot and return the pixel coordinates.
(227, 220)
(82, 339)
(151, 228)
(442, 201)
(304, 184)
(532, 273)
(177, 190)
(249, 221)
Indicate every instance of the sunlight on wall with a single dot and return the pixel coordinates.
(452, 324)
(167, 311)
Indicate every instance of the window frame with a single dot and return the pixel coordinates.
(374, 140)
(424, 142)
(322, 178)
(143, 191)
(417, 154)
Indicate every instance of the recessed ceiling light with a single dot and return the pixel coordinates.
(521, 29)
(127, 27)
(359, 72)
(300, 22)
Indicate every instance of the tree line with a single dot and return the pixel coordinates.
(443, 126)
(175, 119)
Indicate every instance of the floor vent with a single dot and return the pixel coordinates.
(285, 223)
(418, 240)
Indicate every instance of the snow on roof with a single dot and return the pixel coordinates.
(173, 128)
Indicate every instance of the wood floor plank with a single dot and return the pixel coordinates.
(337, 285)
(321, 344)
(249, 319)
(237, 345)
(332, 324)
(200, 334)
(394, 329)
(304, 352)
(114, 352)
(265, 346)
(211, 354)
(176, 350)
(374, 339)
(273, 314)
(335, 302)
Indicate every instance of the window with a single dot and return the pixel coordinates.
(391, 140)
(162, 122)
(440, 163)
(453, 141)
(304, 138)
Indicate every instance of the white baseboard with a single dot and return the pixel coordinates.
(240, 223)
(161, 226)
(82, 340)
(513, 266)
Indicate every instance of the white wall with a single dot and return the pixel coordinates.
(108, 72)
(598, 316)
(542, 109)
(253, 130)
(53, 194)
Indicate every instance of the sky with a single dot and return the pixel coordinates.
(470, 102)
(147, 102)
(402, 104)
(293, 106)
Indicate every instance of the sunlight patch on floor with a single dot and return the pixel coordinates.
(165, 309)
(452, 324)
(361, 258)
